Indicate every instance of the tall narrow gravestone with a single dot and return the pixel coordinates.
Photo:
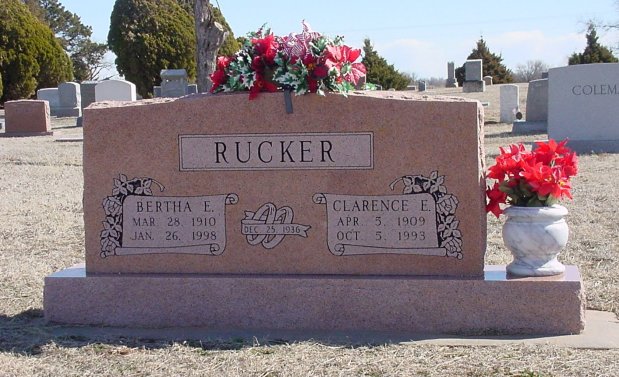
(583, 105)
(358, 213)
(451, 81)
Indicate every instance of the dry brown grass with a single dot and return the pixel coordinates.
(41, 231)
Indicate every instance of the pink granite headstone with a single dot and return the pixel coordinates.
(365, 185)
(27, 118)
(363, 213)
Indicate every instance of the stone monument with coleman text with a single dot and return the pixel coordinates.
(334, 213)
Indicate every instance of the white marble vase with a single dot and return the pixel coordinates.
(535, 236)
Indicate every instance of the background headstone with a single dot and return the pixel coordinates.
(27, 118)
(510, 99)
(115, 90)
(193, 88)
(173, 82)
(50, 95)
(87, 89)
(422, 86)
(537, 101)
(156, 91)
(451, 81)
(537, 109)
(70, 99)
(583, 105)
(488, 80)
(544, 75)
(473, 81)
(473, 70)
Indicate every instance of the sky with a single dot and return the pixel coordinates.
(417, 36)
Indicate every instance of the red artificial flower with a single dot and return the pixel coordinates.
(569, 163)
(496, 197)
(218, 78)
(536, 177)
(340, 56)
(266, 48)
(223, 62)
(547, 152)
(261, 85)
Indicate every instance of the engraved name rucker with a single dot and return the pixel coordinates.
(390, 224)
(291, 151)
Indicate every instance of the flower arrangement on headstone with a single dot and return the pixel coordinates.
(528, 186)
(308, 62)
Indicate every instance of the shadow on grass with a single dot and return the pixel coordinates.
(27, 333)
(502, 135)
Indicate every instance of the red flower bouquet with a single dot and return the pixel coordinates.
(535, 178)
(303, 63)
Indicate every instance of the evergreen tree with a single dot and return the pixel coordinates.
(148, 36)
(491, 65)
(75, 37)
(30, 55)
(379, 71)
(594, 52)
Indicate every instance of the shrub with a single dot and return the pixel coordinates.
(148, 36)
(31, 57)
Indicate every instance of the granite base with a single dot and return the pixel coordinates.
(65, 112)
(493, 304)
(473, 86)
(523, 127)
(594, 146)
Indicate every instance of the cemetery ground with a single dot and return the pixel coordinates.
(42, 232)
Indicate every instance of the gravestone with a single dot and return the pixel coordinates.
(87, 89)
(473, 70)
(115, 90)
(544, 75)
(27, 118)
(364, 212)
(451, 81)
(69, 100)
(51, 96)
(156, 91)
(510, 99)
(473, 79)
(173, 82)
(488, 80)
(537, 109)
(193, 88)
(583, 105)
(422, 86)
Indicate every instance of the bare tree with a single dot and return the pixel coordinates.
(210, 36)
(532, 70)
